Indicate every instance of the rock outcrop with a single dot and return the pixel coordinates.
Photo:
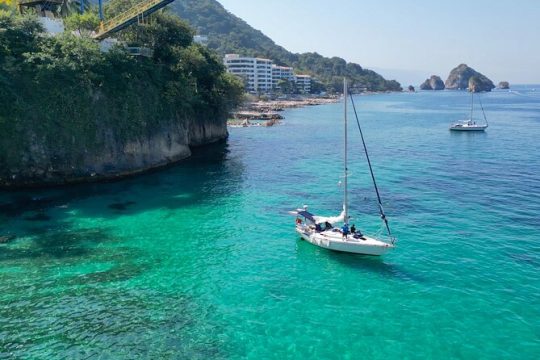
(433, 83)
(42, 164)
(504, 85)
(460, 79)
(411, 88)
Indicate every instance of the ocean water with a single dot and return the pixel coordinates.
(201, 260)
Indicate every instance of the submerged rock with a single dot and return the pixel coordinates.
(4, 239)
(433, 83)
(460, 79)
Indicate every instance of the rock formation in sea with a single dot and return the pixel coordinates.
(411, 88)
(504, 85)
(459, 77)
(433, 83)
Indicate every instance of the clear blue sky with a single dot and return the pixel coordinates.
(408, 39)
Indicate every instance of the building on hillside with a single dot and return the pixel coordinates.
(303, 83)
(281, 73)
(200, 39)
(46, 11)
(256, 72)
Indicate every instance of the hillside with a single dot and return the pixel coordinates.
(230, 34)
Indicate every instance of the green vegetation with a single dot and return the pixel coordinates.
(62, 98)
(83, 23)
(229, 34)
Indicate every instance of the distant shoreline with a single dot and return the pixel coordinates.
(267, 112)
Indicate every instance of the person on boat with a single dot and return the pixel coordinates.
(298, 221)
(327, 226)
(318, 228)
(357, 234)
(345, 230)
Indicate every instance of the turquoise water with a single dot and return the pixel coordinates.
(201, 260)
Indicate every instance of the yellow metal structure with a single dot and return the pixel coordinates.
(136, 13)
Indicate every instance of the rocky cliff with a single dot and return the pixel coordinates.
(71, 113)
(459, 79)
(42, 162)
(433, 83)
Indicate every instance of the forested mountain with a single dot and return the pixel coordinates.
(230, 34)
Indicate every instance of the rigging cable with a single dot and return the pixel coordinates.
(381, 210)
(481, 106)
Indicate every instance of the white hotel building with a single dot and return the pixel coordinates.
(261, 76)
(303, 83)
(282, 73)
(256, 72)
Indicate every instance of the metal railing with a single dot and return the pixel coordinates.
(138, 11)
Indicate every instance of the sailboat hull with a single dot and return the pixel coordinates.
(334, 240)
(468, 127)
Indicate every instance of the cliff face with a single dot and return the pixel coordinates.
(459, 78)
(433, 83)
(42, 163)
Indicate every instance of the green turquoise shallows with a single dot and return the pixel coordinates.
(201, 260)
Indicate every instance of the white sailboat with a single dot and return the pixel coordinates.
(470, 124)
(320, 231)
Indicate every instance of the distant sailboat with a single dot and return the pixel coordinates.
(471, 125)
(310, 227)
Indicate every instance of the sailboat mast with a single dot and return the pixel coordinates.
(472, 103)
(346, 170)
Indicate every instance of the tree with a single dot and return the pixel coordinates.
(8, 4)
(84, 23)
(287, 87)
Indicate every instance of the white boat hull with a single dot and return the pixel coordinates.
(469, 128)
(468, 125)
(334, 240)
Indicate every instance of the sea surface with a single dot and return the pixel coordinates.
(201, 261)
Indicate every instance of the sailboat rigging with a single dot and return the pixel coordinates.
(379, 201)
(471, 125)
(310, 227)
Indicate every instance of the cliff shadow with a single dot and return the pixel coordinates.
(210, 173)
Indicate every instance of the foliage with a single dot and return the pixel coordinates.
(83, 23)
(229, 34)
(287, 87)
(72, 7)
(66, 96)
(8, 3)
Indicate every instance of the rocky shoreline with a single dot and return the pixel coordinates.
(267, 113)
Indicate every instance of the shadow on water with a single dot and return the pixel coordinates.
(57, 244)
(375, 264)
(209, 174)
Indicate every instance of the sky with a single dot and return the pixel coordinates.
(408, 40)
